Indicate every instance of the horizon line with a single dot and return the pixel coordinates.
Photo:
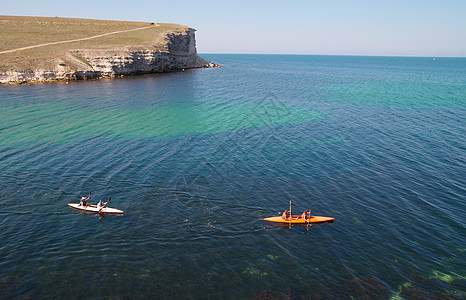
(310, 54)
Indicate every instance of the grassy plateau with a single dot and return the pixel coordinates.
(17, 32)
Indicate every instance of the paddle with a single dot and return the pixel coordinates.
(290, 214)
(105, 204)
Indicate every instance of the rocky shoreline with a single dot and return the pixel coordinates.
(178, 53)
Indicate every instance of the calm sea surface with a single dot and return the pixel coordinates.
(196, 159)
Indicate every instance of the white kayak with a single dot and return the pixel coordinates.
(93, 208)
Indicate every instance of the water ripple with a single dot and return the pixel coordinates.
(197, 159)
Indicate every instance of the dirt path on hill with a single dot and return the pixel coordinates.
(76, 40)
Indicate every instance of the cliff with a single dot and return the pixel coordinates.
(167, 50)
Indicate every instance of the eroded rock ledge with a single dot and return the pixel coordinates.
(178, 53)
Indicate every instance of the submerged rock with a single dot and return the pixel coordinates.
(448, 278)
(11, 287)
(420, 281)
(328, 294)
(421, 287)
(271, 295)
(367, 287)
(254, 272)
(273, 257)
(415, 293)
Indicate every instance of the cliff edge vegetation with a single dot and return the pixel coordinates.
(44, 49)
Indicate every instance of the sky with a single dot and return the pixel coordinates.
(325, 27)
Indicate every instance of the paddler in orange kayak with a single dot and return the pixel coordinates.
(304, 218)
(284, 214)
(304, 215)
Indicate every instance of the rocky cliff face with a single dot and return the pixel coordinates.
(178, 53)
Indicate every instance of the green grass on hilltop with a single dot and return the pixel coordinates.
(17, 32)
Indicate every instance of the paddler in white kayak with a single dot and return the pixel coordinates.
(101, 205)
(84, 200)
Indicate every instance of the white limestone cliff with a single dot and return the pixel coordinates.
(178, 53)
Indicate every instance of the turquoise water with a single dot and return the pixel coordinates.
(196, 159)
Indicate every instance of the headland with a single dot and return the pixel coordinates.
(39, 49)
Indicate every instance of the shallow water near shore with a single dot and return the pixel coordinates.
(196, 159)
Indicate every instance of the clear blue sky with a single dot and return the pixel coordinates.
(342, 27)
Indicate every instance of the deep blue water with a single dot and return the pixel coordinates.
(196, 159)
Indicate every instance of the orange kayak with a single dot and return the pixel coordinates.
(299, 220)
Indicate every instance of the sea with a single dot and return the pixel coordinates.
(197, 159)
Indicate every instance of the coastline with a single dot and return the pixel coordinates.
(28, 77)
